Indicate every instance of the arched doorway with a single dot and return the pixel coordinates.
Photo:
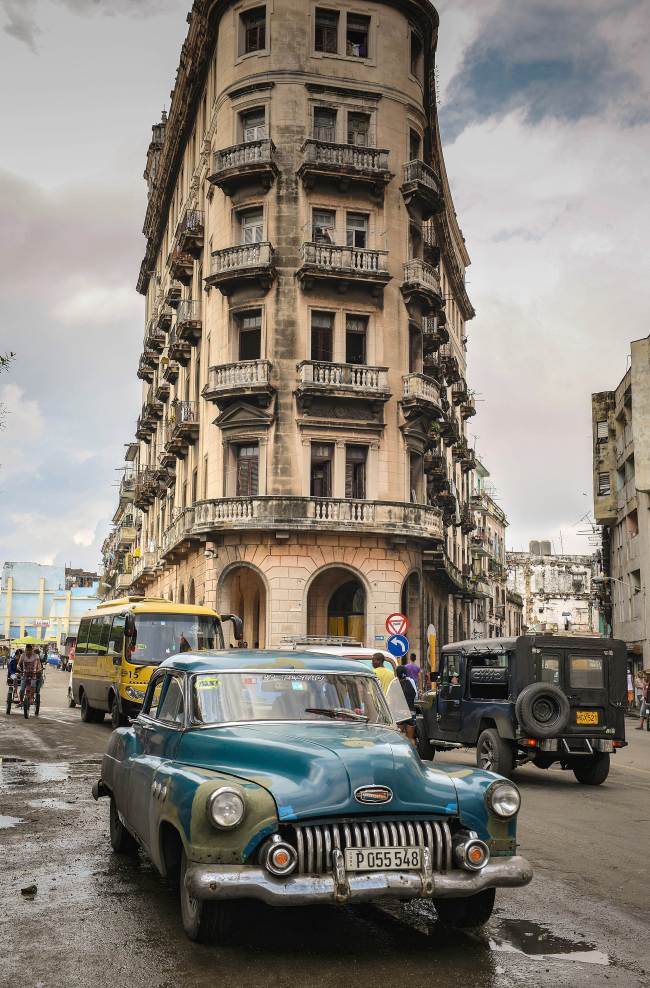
(336, 604)
(242, 591)
(191, 593)
(411, 605)
(181, 595)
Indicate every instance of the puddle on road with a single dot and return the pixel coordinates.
(9, 821)
(51, 804)
(538, 942)
(19, 772)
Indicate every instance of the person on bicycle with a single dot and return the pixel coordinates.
(12, 668)
(29, 667)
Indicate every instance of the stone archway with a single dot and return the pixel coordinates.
(242, 591)
(337, 604)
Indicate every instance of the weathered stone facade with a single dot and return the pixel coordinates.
(301, 453)
(558, 591)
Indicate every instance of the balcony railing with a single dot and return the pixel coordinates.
(237, 379)
(421, 189)
(322, 260)
(147, 365)
(189, 320)
(237, 165)
(326, 376)
(123, 581)
(180, 351)
(144, 565)
(421, 386)
(312, 514)
(237, 265)
(154, 337)
(181, 266)
(421, 286)
(347, 161)
(189, 232)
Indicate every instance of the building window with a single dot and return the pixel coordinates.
(252, 34)
(355, 472)
(253, 125)
(322, 334)
(327, 31)
(357, 35)
(416, 475)
(251, 223)
(604, 485)
(416, 56)
(325, 124)
(356, 333)
(356, 229)
(247, 466)
(195, 484)
(322, 455)
(249, 326)
(359, 129)
(324, 223)
(415, 146)
(602, 432)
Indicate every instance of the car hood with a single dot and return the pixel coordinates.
(313, 770)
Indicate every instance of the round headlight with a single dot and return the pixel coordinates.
(226, 808)
(503, 799)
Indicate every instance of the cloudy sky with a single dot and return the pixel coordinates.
(544, 110)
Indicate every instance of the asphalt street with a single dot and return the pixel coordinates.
(96, 919)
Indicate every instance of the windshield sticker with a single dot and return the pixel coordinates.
(295, 685)
(303, 677)
(140, 648)
(208, 683)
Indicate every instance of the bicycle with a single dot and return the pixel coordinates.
(31, 696)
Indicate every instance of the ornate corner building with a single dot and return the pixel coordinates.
(301, 454)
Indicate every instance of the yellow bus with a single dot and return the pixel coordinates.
(121, 642)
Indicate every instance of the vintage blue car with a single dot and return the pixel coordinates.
(281, 777)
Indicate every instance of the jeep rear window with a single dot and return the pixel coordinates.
(549, 669)
(586, 672)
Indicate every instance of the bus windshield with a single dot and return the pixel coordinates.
(157, 636)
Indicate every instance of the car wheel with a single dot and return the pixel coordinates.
(494, 754)
(10, 697)
(543, 710)
(426, 750)
(475, 910)
(205, 922)
(122, 841)
(592, 771)
(116, 717)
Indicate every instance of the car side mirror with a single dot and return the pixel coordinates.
(117, 660)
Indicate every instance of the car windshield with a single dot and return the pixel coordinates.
(157, 636)
(219, 698)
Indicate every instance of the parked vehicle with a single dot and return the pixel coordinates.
(122, 641)
(264, 775)
(537, 698)
(71, 700)
(53, 659)
(344, 648)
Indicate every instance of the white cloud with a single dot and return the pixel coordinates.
(85, 537)
(97, 305)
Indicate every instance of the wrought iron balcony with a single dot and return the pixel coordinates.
(467, 522)
(127, 485)
(345, 380)
(181, 266)
(450, 364)
(449, 429)
(152, 410)
(164, 317)
(171, 370)
(468, 408)
(343, 266)
(243, 164)
(273, 513)
(455, 578)
(162, 391)
(173, 296)
(242, 379)
(147, 365)
(182, 426)
(189, 322)
(421, 396)
(345, 163)
(422, 189)
(190, 232)
(144, 429)
(434, 333)
(459, 392)
(154, 337)
(421, 287)
(236, 267)
(146, 487)
(180, 351)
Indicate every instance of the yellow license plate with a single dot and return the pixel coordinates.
(587, 717)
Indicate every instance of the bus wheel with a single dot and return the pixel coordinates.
(90, 715)
(117, 719)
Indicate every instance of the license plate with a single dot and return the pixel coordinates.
(383, 859)
(586, 717)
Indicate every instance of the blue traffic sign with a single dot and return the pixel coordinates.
(398, 645)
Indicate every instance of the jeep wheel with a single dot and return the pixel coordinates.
(542, 710)
(426, 750)
(475, 910)
(592, 771)
(205, 922)
(121, 840)
(494, 754)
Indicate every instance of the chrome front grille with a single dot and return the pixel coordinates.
(315, 842)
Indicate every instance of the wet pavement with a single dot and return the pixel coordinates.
(101, 920)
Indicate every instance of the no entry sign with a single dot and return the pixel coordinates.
(397, 624)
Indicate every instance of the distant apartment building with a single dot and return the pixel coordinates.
(44, 601)
(558, 591)
(302, 456)
(621, 467)
(495, 612)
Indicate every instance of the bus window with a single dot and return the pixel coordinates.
(116, 637)
(82, 636)
(106, 633)
(157, 636)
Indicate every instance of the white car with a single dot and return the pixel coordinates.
(71, 700)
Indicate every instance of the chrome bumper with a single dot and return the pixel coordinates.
(243, 882)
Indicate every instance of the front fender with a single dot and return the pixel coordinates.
(471, 785)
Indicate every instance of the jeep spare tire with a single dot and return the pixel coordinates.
(542, 710)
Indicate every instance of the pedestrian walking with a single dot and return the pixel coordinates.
(413, 670)
(639, 689)
(645, 703)
(384, 675)
(410, 695)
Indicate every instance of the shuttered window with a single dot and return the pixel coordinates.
(355, 471)
(359, 129)
(327, 31)
(247, 470)
(602, 433)
(253, 30)
(253, 124)
(604, 484)
(325, 124)
(356, 331)
(322, 332)
(322, 455)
